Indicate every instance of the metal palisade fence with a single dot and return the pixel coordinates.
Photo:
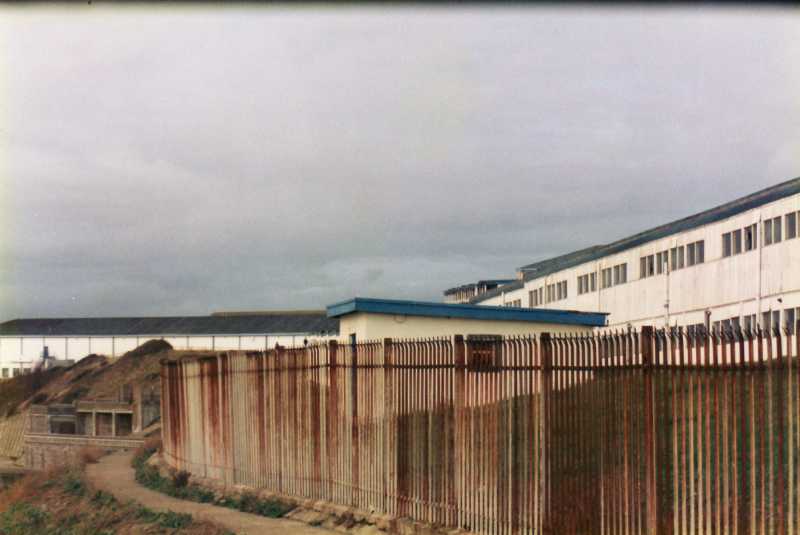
(648, 431)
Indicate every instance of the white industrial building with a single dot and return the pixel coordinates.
(736, 264)
(23, 341)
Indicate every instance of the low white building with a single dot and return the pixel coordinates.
(22, 341)
(736, 264)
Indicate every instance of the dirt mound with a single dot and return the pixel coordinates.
(65, 384)
(93, 377)
(14, 392)
(141, 366)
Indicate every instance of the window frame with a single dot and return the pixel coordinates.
(751, 232)
(791, 233)
(767, 224)
(727, 245)
(736, 241)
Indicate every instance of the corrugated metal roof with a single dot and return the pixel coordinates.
(595, 252)
(450, 310)
(306, 322)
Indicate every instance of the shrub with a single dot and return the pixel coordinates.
(180, 479)
(74, 485)
(174, 520)
(178, 487)
(23, 518)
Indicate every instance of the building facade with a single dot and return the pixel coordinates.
(467, 292)
(23, 342)
(734, 265)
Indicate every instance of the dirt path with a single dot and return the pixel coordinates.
(114, 474)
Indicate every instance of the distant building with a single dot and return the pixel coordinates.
(736, 265)
(23, 341)
(466, 292)
(376, 319)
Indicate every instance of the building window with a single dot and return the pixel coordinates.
(605, 278)
(647, 266)
(695, 253)
(662, 262)
(532, 298)
(586, 283)
(564, 284)
(676, 258)
(776, 319)
(726, 326)
(623, 274)
(15, 372)
(750, 238)
(768, 232)
(750, 322)
(736, 236)
(766, 321)
(726, 244)
(791, 225)
(593, 282)
(790, 319)
(5, 373)
(777, 230)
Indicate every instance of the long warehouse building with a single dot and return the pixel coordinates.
(23, 341)
(734, 265)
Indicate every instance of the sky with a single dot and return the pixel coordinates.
(185, 160)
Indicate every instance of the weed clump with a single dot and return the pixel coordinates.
(179, 487)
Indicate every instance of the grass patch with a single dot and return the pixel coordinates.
(178, 487)
(60, 502)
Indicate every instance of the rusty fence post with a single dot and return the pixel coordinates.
(356, 447)
(458, 454)
(544, 459)
(331, 421)
(649, 430)
(390, 432)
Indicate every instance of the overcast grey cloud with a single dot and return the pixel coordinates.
(184, 160)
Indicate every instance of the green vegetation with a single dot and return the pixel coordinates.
(60, 502)
(178, 487)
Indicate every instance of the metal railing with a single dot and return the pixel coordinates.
(617, 432)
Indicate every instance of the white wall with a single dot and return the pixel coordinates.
(25, 351)
(748, 283)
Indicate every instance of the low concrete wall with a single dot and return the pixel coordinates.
(44, 451)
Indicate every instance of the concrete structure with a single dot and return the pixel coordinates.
(23, 341)
(376, 319)
(60, 431)
(466, 292)
(734, 265)
(131, 413)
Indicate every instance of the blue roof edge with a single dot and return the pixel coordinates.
(426, 308)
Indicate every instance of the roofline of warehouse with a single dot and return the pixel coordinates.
(590, 254)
